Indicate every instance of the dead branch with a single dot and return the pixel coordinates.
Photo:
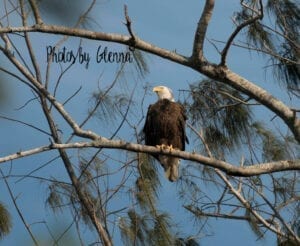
(36, 12)
(128, 25)
(228, 168)
(200, 33)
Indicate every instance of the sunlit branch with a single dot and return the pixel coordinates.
(213, 71)
(231, 169)
(200, 33)
(36, 12)
(128, 25)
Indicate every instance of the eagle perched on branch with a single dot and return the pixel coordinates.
(165, 129)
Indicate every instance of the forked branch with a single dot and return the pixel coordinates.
(128, 25)
(248, 22)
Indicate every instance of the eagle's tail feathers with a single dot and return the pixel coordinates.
(170, 165)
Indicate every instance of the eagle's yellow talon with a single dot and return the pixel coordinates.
(161, 147)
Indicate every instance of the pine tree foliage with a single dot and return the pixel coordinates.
(133, 229)
(5, 221)
(273, 147)
(281, 42)
(148, 183)
(62, 196)
(222, 112)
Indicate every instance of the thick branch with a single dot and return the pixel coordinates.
(201, 30)
(109, 37)
(230, 169)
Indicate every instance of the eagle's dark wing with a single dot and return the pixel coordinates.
(165, 124)
(149, 127)
(182, 119)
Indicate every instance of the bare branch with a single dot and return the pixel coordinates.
(276, 212)
(230, 169)
(237, 30)
(36, 12)
(78, 131)
(28, 43)
(199, 213)
(109, 37)
(201, 31)
(128, 25)
(26, 124)
(247, 205)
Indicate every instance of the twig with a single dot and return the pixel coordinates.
(18, 209)
(128, 25)
(28, 43)
(236, 32)
(25, 123)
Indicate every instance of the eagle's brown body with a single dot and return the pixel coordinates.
(165, 126)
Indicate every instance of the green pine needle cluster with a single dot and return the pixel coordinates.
(222, 112)
(5, 221)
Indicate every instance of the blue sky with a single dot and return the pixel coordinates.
(168, 24)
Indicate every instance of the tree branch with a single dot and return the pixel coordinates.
(230, 169)
(237, 30)
(109, 37)
(201, 31)
(36, 12)
(198, 212)
(247, 205)
(128, 25)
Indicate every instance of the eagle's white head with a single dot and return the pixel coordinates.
(164, 92)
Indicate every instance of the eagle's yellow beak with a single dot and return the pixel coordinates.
(157, 89)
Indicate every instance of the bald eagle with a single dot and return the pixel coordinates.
(165, 129)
